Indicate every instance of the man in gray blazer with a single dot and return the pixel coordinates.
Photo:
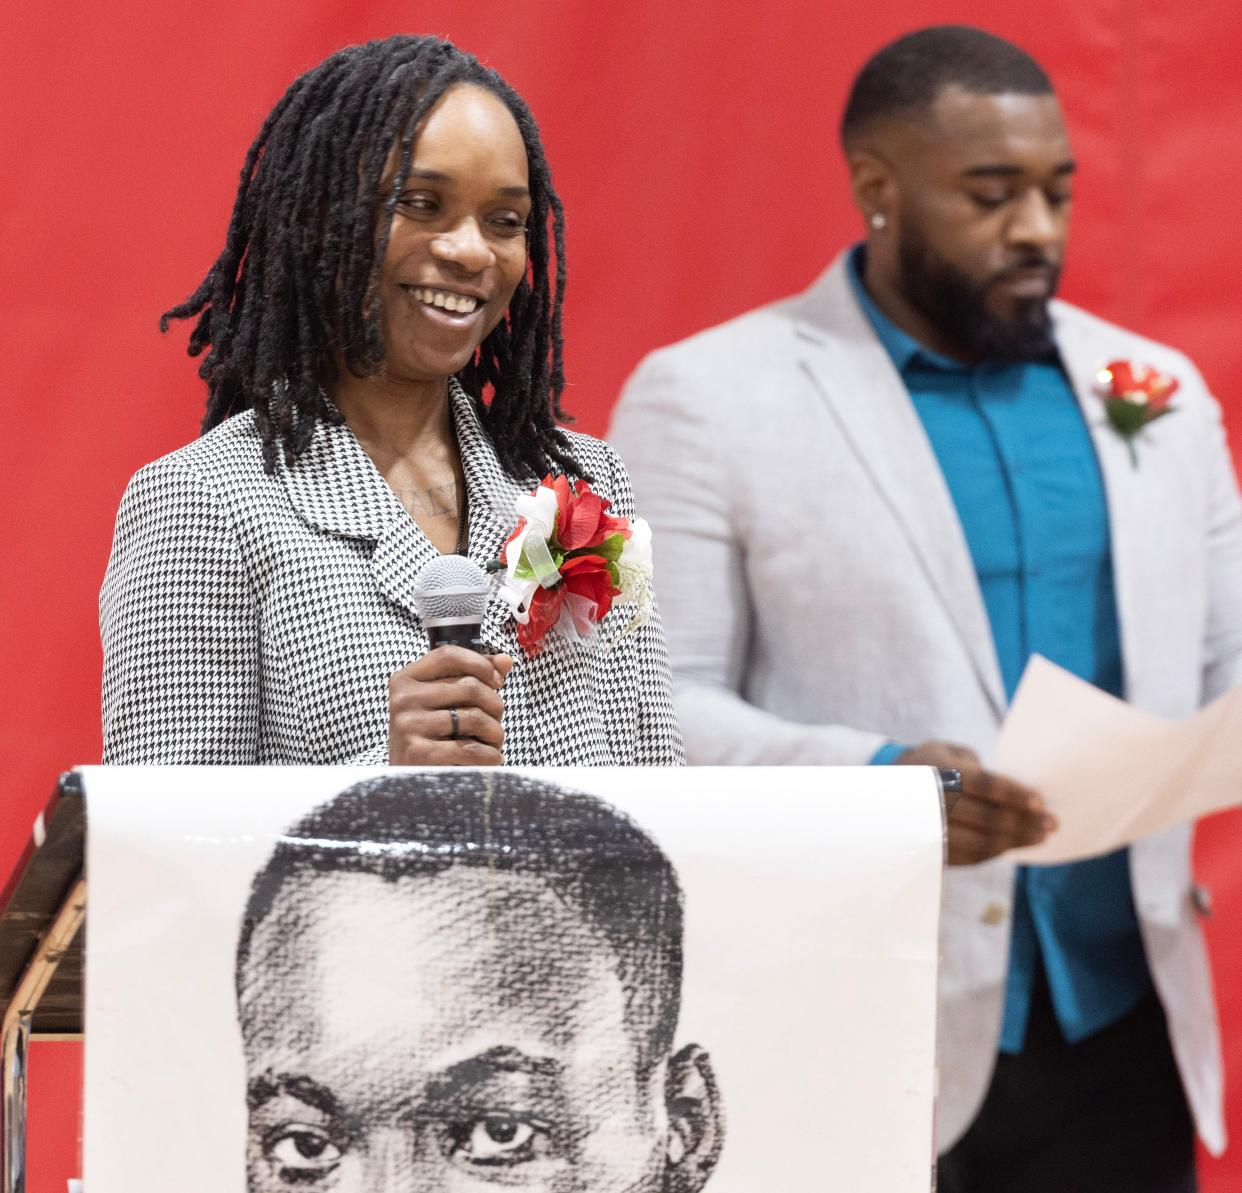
(874, 501)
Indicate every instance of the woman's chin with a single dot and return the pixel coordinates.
(427, 367)
(427, 358)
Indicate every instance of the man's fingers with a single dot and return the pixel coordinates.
(1000, 789)
(969, 846)
(981, 828)
(1018, 825)
(993, 813)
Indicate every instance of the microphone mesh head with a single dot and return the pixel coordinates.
(451, 587)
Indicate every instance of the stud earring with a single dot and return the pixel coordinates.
(879, 221)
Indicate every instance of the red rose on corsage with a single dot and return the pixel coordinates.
(569, 560)
(1134, 397)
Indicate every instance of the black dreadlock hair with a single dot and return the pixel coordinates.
(296, 277)
(907, 75)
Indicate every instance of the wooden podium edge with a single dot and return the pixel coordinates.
(51, 863)
(17, 1011)
(15, 1033)
(68, 786)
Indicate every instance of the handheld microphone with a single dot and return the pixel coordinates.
(450, 594)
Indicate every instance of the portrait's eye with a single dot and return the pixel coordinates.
(499, 1140)
(302, 1152)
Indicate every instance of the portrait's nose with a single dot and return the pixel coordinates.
(393, 1166)
(464, 246)
(390, 1166)
(1035, 223)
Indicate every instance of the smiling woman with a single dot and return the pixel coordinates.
(382, 338)
(456, 250)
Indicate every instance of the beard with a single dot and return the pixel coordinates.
(957, 305)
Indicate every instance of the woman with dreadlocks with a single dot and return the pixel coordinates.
(383, 361)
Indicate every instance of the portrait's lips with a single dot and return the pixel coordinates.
(446, 308)
(1031, 281)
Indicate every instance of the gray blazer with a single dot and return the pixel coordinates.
(249, 618)
(819, 598)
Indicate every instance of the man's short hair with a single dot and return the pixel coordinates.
(907, 76)
(596, 860)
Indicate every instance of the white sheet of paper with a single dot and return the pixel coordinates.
(812, 902)
(1109, 772)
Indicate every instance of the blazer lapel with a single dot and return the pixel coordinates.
(491, 494)
(1135, 507)
(865, 394)
(336, 488)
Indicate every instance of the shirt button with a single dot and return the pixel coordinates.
(994, 914)
(1201, 900)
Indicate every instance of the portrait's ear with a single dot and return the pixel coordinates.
(696, 1121)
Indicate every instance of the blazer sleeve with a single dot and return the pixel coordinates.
(179, 624)
(659, 740)
(666, 429)
(1222, 648)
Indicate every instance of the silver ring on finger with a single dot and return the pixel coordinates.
(455, 725)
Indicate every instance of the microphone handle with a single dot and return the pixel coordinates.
(464, 634)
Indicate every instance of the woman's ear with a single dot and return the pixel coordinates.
(696, 1121)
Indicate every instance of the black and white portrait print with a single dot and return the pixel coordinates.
(462, 980)
(572, 980)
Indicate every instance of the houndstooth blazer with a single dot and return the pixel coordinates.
(249, 618)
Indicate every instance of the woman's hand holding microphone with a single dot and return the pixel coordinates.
(445, 709)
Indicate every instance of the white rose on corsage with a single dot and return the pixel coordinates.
(528, 550)
(636, 568)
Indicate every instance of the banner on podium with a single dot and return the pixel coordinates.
(606, 980)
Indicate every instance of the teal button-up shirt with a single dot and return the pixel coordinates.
(1021, 468)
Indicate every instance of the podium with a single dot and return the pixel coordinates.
(814, 897)
(42, 907)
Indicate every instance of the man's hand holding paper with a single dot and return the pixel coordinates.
(992, 815)
(1109, 772)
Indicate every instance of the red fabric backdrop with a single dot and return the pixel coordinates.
(694, 145)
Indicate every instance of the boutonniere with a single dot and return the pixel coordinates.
(1134, 396)
(569, 560)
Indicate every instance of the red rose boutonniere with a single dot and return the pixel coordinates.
(569, 560)
(1135, 396)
